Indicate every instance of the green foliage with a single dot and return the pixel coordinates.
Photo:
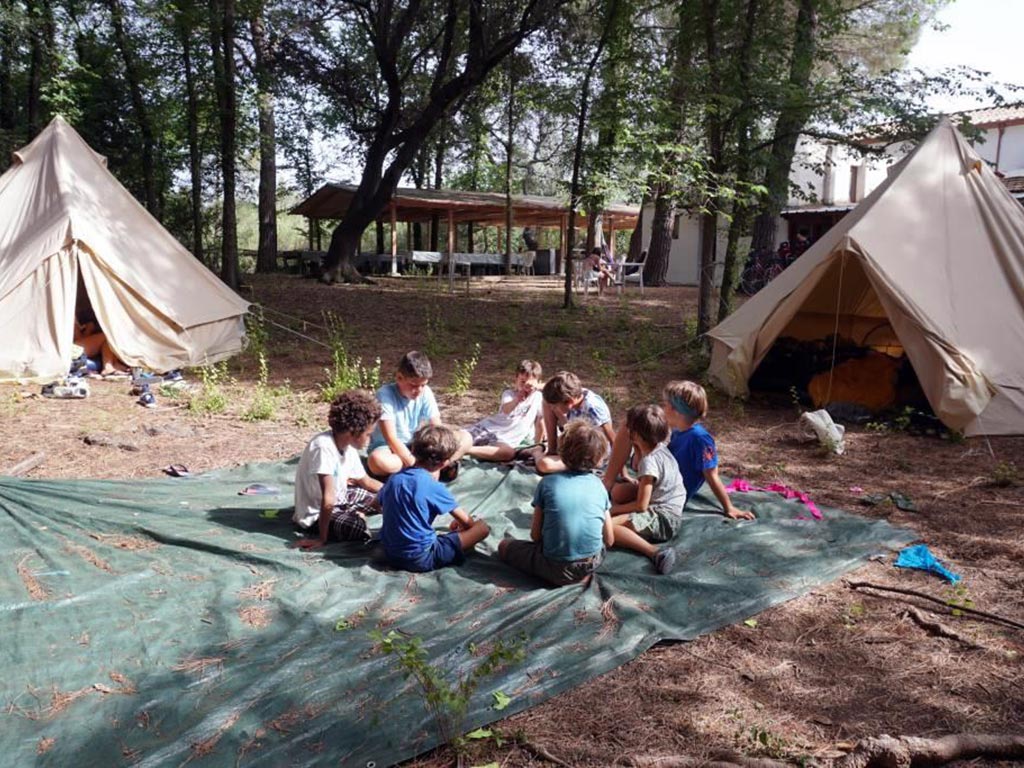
(448, 700)
(463, 372)
(958, 599)
(210, 397)
(345, 372)
(1005, 475)
(436, 344)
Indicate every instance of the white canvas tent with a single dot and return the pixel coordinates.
(62, 213)
(931, 264)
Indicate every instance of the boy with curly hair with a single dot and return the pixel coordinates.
(332, 490)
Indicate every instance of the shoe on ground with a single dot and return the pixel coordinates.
(665, 560)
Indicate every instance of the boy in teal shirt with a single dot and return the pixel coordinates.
(571, 525)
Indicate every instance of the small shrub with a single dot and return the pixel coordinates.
(210, 397)
(436, 343)
(1005, 475)
(463, 373)
(345, 372)
(447, 702)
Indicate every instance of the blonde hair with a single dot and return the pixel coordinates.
(687, 398)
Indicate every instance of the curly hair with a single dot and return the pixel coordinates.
(354, 411)
(583, 446)
(432, 445)
(563, 387)
(648, 423)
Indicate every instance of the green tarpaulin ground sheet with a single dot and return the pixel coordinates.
(166, 622)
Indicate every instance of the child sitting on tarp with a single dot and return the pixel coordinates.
(655, 512)
(685, 404)
(571, 525)
(406, 403)
(413, 497)
(519, 416)
(333, 493)
(565, 399)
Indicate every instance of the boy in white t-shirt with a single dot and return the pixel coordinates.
(519, 417)
(332, 490)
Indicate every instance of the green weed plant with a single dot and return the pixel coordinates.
(448, 700)
(462, 375)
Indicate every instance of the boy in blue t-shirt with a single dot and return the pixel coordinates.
(405, 403)
(565, 399)
(571, 524)
(693, 447)
(413, 497)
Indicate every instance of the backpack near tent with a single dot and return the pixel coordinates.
(64, 218)
(930, 265)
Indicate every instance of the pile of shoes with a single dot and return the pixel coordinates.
(68, 388)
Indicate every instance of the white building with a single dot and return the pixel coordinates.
(829, 180)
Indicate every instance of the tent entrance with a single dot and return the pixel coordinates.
(840, 347)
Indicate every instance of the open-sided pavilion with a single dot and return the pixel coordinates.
(456, 207)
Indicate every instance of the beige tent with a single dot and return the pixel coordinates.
(62, 213)
(931, 263)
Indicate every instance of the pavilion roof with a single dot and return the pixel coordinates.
(333, 199)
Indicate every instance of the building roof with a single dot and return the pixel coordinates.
(994, 116)
(795, 210)
(333, 199)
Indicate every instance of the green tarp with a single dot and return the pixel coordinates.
(169, 621)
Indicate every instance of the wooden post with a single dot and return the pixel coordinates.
(408, 237)
(394, 239)
(560, 266)
(611, 239)
(451, 250)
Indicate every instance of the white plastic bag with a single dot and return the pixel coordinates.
(819, 425)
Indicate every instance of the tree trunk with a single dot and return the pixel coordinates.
(793, 116)
(8, 47)
(223, 45)
(195, 167)
(636, 239)
(660, 248)
(141, 112)
(510, 115)
(41, 26)
(741, 209)
(706, 307)
(266, 254)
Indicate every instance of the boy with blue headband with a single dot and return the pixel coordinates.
(693, 447)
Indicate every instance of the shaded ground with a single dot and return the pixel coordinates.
(827, 668)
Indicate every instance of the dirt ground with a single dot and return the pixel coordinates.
(812, 677)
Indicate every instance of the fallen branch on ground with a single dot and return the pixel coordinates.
(27, 465)
(542, 752)
(939, 601)
(940, 629)
(907, 751)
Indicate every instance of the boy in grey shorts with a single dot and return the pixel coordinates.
(656, 513)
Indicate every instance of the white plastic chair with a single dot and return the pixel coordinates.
(621, 277)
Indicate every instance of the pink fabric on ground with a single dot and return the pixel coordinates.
(744, 486)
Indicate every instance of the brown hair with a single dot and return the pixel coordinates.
(530, 368)
(353, 411)
(583, 446)
(432, 445)
(415, 365)
(563, 387)
(687, 398)
(648, 424)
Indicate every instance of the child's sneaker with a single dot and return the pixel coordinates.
(665, 560)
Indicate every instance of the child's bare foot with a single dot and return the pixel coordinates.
(665, 560)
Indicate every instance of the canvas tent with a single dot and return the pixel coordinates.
(930, 264)
(63, 214)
